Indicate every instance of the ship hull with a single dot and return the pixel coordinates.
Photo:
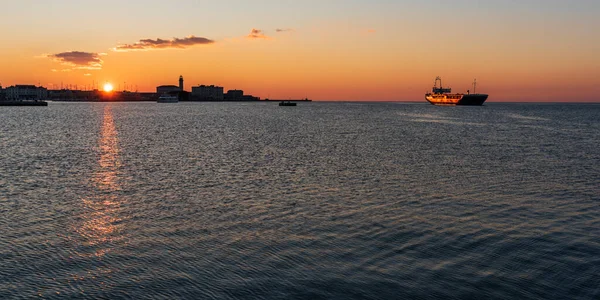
(456, 99)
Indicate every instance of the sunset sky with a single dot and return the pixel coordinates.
(526, 50)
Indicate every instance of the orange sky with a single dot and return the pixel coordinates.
(339, 51)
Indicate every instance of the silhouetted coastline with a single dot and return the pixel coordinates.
(23, 103)
(199, 93)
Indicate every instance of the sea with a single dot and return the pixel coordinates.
(319, 201)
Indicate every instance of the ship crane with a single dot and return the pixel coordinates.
(441, 89)
(436, 81)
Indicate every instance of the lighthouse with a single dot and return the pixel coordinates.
(181, 83)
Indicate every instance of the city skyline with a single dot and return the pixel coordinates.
(339, 50)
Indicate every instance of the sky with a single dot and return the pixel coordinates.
(338, 50)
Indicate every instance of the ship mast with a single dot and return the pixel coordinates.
(474, 86)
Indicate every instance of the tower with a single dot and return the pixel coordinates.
(181, 83)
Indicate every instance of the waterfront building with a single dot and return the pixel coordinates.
(238, 95)
(207, 93)
(26, 92)
(166, 89)
(234, 94)
(170, 89)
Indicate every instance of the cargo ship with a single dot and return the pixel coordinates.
(444, 96)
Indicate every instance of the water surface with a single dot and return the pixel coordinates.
(323, 200)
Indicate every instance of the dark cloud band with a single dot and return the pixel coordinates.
(177, 43)
(79, 59)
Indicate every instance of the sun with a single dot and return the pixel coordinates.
(108, 87)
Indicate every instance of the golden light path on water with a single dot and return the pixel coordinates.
(98, 228)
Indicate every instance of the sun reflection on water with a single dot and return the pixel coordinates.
(106, 177)
(98, 227)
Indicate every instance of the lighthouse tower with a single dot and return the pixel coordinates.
(181, 83)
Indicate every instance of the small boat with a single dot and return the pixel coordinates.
(287, 103)
(168, 99)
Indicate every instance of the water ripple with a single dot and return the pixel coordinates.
(237, 201)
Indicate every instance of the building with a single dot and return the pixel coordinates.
(166, 89)
(26, 92)
(1, 93)
(207, 93)
(234, 94)
(238, 95)
(170, 89)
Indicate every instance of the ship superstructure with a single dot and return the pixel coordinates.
(444, 96)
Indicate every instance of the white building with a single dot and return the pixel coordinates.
(26, 92)
(208, 92)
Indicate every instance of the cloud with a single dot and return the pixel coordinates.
(79, 60)
(257, 34)
(175, 43)
(367, 32)
(278, 30)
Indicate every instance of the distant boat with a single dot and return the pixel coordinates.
(444, 96)
(168, 99)
(288, 100)
(287, 103)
